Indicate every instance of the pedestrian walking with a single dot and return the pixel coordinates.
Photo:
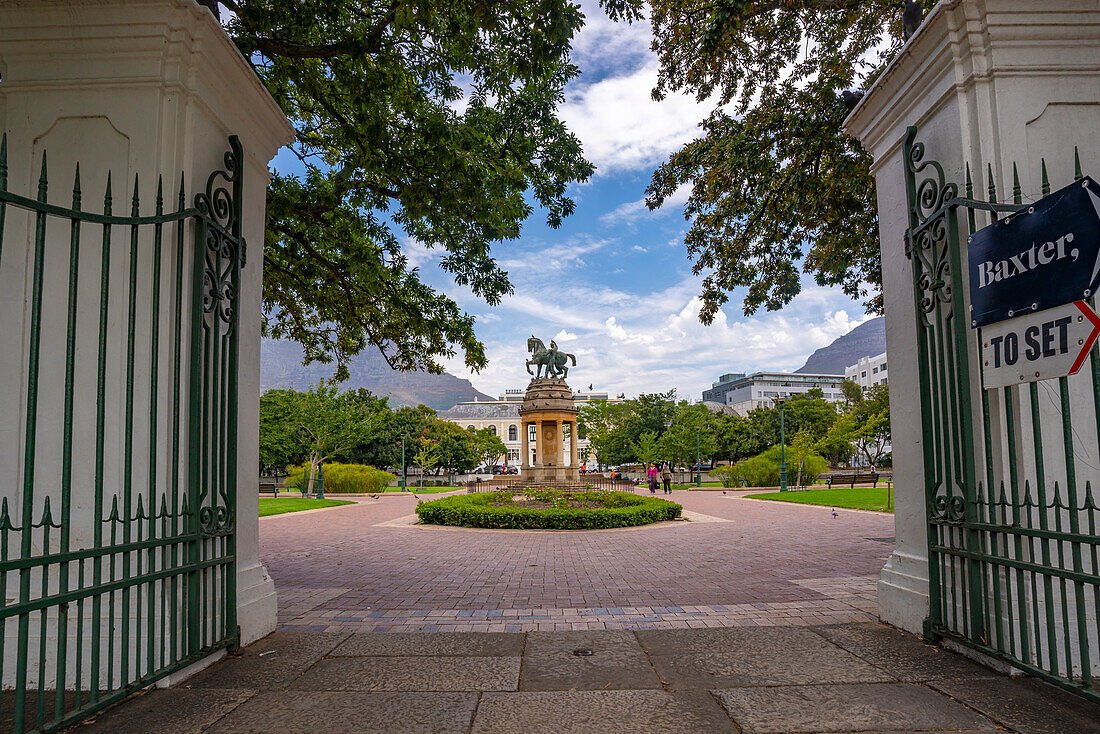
(652, 474)
(666, 477)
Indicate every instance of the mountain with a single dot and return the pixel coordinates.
(281, 366)
(866, 340)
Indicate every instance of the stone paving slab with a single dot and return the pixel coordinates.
(310, 712)
(469, 644)
(1025, 705)
(904, 656)
(846, 708)
(752, 657)
(600, 712)
(273, 662)
(412, 674)
(617, 661)
(168, 711)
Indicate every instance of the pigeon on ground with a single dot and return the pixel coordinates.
(911, 17)
(835, 514)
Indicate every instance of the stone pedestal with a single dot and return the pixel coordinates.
(127, 87)
(548, 408)
(986, 82)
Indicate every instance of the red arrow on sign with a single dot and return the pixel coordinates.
(1095, 321)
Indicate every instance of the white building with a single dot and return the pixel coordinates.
(501, 416)
(868, 371)
(742, 393)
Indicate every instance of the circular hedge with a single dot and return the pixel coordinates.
(547, 510)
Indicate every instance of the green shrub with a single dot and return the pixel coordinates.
(763, 470)
(479, 510)
(727, 475)
(759, 471)
(343, 478)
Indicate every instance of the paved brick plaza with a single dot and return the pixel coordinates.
(736, 562)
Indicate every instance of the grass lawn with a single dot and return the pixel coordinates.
(272, 506)
(860, 498)
(691, 484)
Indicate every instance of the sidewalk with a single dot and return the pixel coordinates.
(863, 677)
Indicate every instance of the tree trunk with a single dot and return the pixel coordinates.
(310, 483)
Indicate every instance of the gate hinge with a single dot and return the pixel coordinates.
(908, 246)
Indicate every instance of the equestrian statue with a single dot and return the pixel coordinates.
(553, 360)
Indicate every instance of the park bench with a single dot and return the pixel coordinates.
(851, 479)
(271, 485)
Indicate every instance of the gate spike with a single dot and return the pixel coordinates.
(160, 195)
(5, 517)
(1090, 503)
(107, 196)
(1016, 197)
(47, 515)
(1028, 502)
(1056, 501)
(1046, 181)
(1004, 499)
(4, 162)
(134, 211)
(1077, 175)
(183, 199)
(163, 507)
(992, 186)
(113, 517)
(139, 513)
(42, 184)
(969, 183)
(76, 188)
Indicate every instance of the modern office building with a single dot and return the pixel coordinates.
(868, 371)
(742, 393)
(501, 416)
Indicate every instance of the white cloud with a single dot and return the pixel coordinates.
(555, 257)
(639, 248)
(634, 210)
(651, 342)
(622, 127)
(417, 253)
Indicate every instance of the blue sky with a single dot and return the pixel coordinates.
(613, 284)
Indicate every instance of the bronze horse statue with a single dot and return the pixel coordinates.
(553, 360)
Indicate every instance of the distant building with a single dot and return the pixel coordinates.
(868, 371)
(501, 416)
(741, 393)
(718, 390)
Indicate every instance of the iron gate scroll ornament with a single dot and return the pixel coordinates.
(223, 258)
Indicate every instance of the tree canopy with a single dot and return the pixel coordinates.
(417, 124)
(777, 188)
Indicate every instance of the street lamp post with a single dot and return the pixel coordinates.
(782, 448)
(698, 460)
(404, 477)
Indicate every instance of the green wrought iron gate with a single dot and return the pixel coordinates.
(117, 546)
(1012, 520)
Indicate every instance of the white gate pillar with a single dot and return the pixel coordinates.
(148, 87)
(985, 81)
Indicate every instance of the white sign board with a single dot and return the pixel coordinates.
(1039, 346)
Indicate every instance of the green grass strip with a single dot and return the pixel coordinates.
(861, 498)
(271, 506)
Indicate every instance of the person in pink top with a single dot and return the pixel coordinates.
(652, 474)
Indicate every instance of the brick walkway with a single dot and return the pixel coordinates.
(734, 563)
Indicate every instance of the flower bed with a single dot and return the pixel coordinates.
(548, 510)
